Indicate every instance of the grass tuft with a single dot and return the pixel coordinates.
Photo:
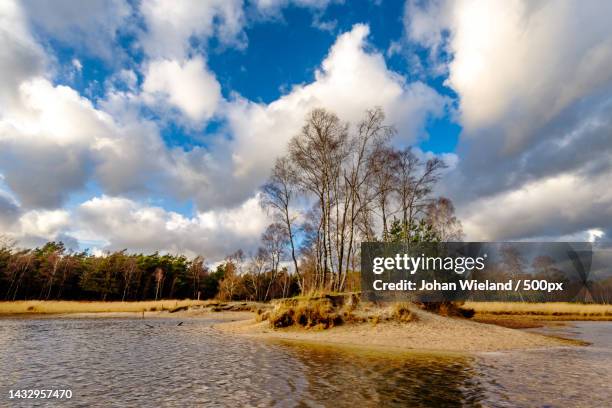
(402, 312)
(319, 313)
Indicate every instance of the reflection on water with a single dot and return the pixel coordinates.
(112, 362)
(337, 378)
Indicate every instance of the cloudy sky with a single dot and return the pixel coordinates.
(150, 125)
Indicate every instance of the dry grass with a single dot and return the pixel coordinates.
(61, 306)
(319, 313)
(551, 309)
(333, 310)
(402, 313)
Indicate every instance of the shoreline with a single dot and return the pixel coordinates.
(430, 333)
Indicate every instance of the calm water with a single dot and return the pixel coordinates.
(124, 362)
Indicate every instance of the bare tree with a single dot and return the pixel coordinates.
(278, 193)
(196, 271)
(255, 273)
(441, 216)
(415, 184)
(385, 165)
(127, 271)
(407, 168)
(318, 152)
(159, 278)
(370, 139)
(274, 240)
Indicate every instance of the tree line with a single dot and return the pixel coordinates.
(335, 187)
(52, 272)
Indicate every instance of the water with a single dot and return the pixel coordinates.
(124, 362)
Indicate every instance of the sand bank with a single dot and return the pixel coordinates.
(429, 333)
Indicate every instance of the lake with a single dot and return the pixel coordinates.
(156, 362)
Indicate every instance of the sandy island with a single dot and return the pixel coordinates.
(430, 333)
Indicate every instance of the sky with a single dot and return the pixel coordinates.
(151, 125)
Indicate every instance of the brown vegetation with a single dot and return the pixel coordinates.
(565, 310)
(523, 315)
(332, 310)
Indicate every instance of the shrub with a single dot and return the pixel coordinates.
(402, 313)
(449, 309)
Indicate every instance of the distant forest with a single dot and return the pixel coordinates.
(51, 272)
(338, 185)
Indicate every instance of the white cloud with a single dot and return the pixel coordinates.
(43, 223)
(272, 8)
(534, 83)
(77, 65)
(170, 25)
(517, 64)
(555, 206)
(115, 223)
(20, 56)
(54, 141)
(232, 168)
(44, 143)
(188, 86)
(126, 224)
(90, 26)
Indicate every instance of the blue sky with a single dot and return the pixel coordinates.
(150, 125)
(283, 50)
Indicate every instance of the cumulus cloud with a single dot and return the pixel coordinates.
(123, 223)
(518, 62)
(54, 141)
(533, 82)
(170, 25)
(43, 153)
(36, 227)
(349, 81)
(20, 55)
(188, 86)
(546, 207)
(175, 39)
(43, 223)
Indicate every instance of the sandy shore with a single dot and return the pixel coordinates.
(430, 333)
